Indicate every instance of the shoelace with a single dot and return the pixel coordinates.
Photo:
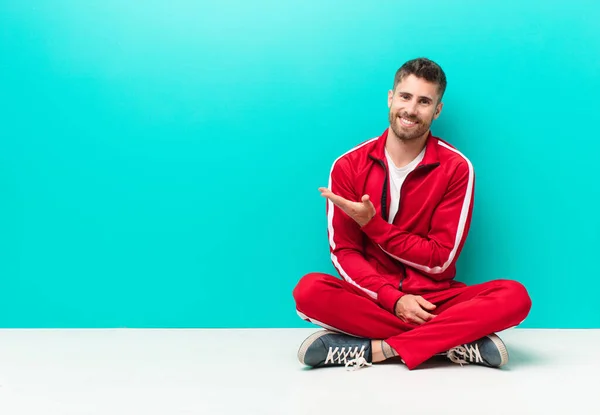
(355, 364)
(353, 358)
(465, 354)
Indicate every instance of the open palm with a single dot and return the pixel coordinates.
(362, 212)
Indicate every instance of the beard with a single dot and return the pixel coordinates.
(408, 134)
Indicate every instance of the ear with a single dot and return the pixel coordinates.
(438, 110)
(390, 96)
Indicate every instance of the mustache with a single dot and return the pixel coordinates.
(409, 117)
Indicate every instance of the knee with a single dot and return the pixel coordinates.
(516, 299)
(306, 291)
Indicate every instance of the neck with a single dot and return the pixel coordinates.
(403, 152)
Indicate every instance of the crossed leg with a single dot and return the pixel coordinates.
(464, 314)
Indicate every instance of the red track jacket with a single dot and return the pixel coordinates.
(418, 252)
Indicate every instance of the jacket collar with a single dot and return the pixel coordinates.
(429, 159)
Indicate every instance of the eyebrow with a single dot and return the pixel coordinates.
(422, 96)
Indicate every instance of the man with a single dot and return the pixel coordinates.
(399, 209)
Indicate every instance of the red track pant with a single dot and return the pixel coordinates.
(464, 314)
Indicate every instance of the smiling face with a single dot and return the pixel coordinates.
(414, 104)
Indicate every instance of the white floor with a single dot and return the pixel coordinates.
(209, 372)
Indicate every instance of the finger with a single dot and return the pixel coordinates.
(337, 200)
(424, 315)
(325, 191)
(425, 304)
(406, 318)
(366, 200)
(416, 319)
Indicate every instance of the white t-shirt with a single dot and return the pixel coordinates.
(397, 176)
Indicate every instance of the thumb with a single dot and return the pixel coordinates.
(425, 304)
(366, 200)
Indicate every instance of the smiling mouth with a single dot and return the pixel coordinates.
(407, 123)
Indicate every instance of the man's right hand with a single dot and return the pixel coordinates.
(411, 308)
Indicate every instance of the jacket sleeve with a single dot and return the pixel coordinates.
(440, 249)
(346, 243)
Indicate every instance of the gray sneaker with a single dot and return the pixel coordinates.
(488, 351)
(328, 348)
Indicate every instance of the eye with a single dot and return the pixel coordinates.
(405, 96)
(424, 101)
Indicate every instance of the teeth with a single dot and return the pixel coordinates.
(407, 121)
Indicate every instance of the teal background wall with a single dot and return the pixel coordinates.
(159, 161)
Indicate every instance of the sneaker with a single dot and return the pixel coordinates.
(328, 348)
(488, 351)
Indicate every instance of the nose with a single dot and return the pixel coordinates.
(411, 107)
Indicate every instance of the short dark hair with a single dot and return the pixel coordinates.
(425, 69)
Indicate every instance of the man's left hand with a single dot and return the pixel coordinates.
(362, 212)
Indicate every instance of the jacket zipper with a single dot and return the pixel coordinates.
(384, 210)
(397, 213)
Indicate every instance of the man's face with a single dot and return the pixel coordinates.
(413, 107)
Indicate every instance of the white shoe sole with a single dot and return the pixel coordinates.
(501, 348)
